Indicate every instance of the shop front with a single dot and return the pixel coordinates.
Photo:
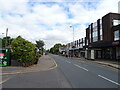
(107, 50)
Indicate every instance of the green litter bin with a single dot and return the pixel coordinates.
(4, 57)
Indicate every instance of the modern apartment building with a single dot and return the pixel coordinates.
(104, 37)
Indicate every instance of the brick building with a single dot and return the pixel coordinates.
(103, 37)
(76, 48)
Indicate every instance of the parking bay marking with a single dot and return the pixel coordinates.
(81, 67)
(109, 80)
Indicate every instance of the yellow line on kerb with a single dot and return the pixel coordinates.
(10, 73)
(53, 67)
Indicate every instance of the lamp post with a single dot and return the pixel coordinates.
(73, 38)
(73, 32)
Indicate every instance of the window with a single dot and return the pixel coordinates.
(87, 42)
(79, 42)
(95, 32)
(95, 39)
(75, 43)
(83, 41)
(90, 33)
(80, 45)
(116, 35)
(101, 34)
(116, 22)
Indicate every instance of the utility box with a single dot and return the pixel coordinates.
(4, 57)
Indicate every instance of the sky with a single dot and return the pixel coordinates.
(50, 20)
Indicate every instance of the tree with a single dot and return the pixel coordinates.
(48, 50)
(55, 48)
(24, 52)
(8, 42)
(40, 45)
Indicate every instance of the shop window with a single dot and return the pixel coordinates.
(116, 35)
(117, 52)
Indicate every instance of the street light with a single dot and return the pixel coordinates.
(73, 32)
(73, 38)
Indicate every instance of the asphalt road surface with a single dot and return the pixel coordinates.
(69, 73)
(86, 75)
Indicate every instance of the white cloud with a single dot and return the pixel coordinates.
(50, 15)
(51, 22)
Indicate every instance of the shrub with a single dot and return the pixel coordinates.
(23, 50)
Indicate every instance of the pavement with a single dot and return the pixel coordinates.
(43, 75)
(110, 63)
(113, 64)
(71, 72)
(44, 63)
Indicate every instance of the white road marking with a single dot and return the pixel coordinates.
(1, 82)
(81, 67)
(109, 80)
(68, 61)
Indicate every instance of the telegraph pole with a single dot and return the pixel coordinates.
(73, 39)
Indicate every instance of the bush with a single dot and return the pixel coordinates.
(23, 51)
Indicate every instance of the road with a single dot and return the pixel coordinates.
(70, 73)
(86, 75)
